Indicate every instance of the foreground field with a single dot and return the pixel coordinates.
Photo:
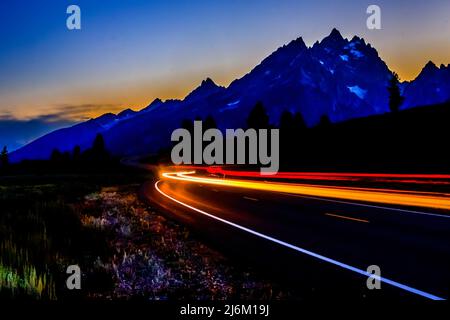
(125, 249)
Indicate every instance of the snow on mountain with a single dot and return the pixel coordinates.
(360, 93)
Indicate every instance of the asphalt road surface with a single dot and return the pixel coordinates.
(322, 245)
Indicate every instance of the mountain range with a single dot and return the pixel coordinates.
(337, 77)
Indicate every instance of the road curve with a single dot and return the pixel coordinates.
(409, 244)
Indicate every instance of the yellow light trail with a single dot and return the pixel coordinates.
(393, 197)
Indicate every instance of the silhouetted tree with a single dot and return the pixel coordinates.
(99, 143)
(99, 152)
(56, 156)
(395, 97)
(258, 118)
(287, 136)
(293, 124)
(209, 123)
(324, 122)
(286, 121)
(4, 161)
(299, 122)
(292, 128)
(76, 154)
(188, 125)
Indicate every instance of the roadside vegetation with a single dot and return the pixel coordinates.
(125, 248)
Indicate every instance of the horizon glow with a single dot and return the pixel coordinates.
(128, 54)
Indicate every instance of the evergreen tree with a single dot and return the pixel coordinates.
(395, 97)
(99, 152)
(292, 129)
(76, 154)
(287, 137)
(56, 156)
(287, 122)
(99, 144)
(292, 126)
(299, 122)
(188, 125)
(4, 161)
(324, 122)
(258, 118)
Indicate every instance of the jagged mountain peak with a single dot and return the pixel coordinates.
(430, 65)
(155, 103)
(428, 70)
(334, 41)
(358, 40)
(334, 35)
(105, 117)
(206, 87)
(292, 48)
(299, 43)
(208, 83)
(126, 113)
(285, 53)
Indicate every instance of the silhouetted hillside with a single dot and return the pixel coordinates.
(411, 140)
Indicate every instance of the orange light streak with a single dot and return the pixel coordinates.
(385, 196)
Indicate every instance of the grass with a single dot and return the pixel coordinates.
(33, 229)
(125, 249)
(28, 282)
(41, 233)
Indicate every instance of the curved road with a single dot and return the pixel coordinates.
(333, 239)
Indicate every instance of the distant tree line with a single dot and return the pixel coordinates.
(94, 159)
(96, 155)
